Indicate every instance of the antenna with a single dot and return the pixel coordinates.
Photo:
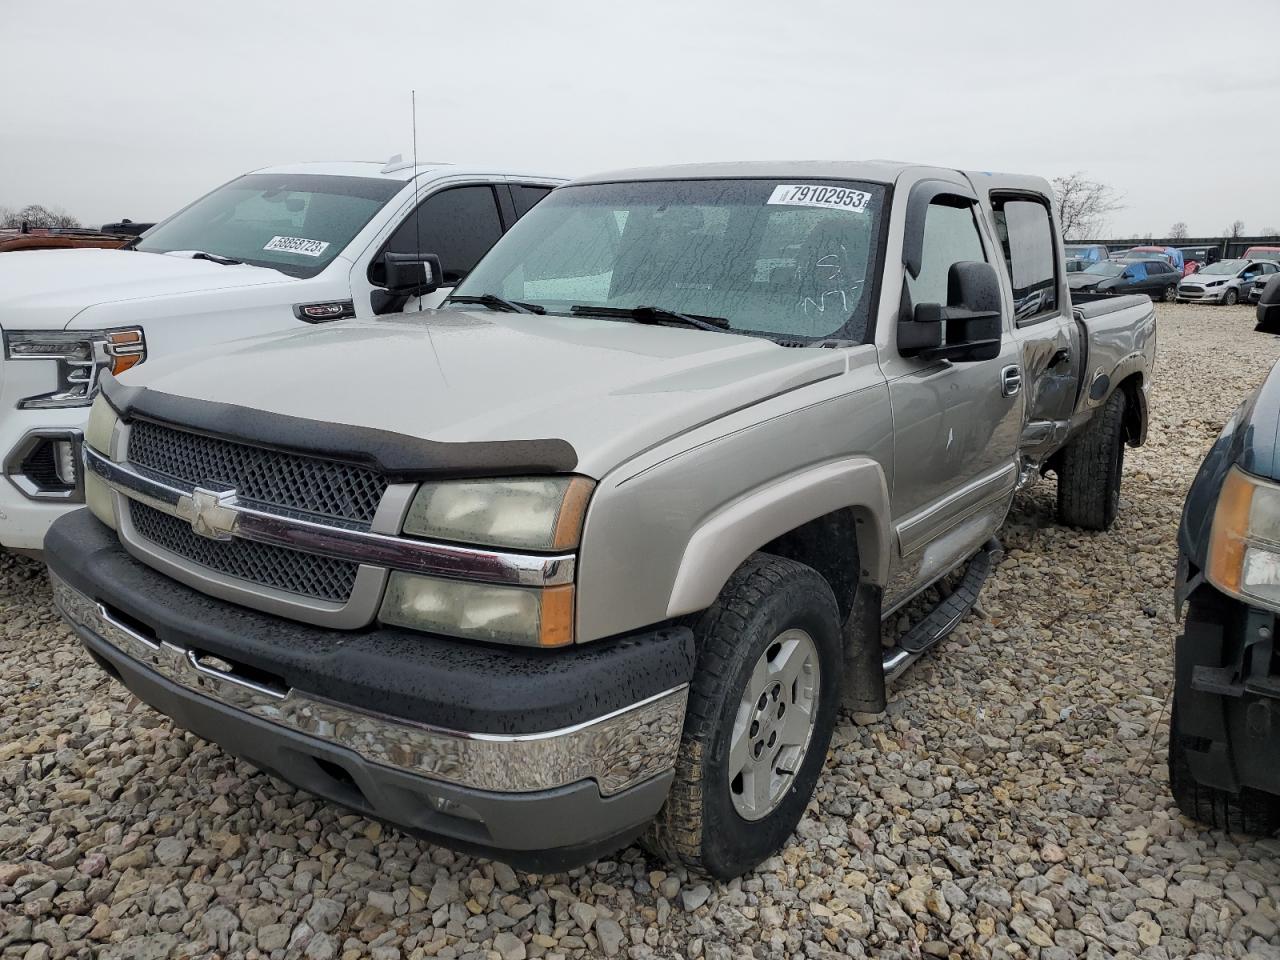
(417, 234)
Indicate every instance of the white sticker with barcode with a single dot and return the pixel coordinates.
(819, 195)
(299, 245)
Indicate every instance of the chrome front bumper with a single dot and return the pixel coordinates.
(617, 750)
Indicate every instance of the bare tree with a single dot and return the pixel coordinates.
(1236, 229)
(1178, 231)
(1083, 206)
(38, 216)
(1270, 232)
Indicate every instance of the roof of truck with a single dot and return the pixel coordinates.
(398, 170)
(874, 171)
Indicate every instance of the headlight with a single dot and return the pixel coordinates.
(543, 513)
(97, 434)
(1215, 283)
(81, 357)
(480, 611)
(1244, 546)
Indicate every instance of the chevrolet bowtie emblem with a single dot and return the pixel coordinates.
(211, 513)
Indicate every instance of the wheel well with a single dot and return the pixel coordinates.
(828, 544)
(1135, 414)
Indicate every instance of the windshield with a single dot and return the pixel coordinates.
(1224, 267)
(1070, 252)
(1105, 268)
(294, 223)
(1263, 253)
(792, 259)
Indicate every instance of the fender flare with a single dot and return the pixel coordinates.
(730, 535)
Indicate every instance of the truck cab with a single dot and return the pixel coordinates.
(282, 248)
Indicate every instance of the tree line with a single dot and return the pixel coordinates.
(37, 216)
(1084, 206)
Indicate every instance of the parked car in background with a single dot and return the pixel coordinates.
(59, 238)
(127, 226)
(603, 546)
(1262, 253)
(1224, 738)
(1194, 258)
(277, 249)
(1227, 281)
(1080, 255)
(1170, 255)
(1156, 278)
(1268, 310)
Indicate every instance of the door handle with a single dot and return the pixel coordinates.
(1010, 380)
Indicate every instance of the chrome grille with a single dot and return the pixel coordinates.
(284, 480)
(321, 578)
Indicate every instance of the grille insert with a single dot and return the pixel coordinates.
(306, 574)
(321, 487)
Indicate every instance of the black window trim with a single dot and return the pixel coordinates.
(1004, 195)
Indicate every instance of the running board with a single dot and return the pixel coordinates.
(943, 618)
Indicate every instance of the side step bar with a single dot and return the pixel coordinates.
(943, 618)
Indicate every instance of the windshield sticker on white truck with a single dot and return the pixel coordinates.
(818, 195)
(307, 248)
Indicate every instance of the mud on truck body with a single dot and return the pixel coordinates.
(598, 549)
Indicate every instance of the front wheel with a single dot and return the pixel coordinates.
(1171, 293)
(761, 710)
(1230, 298)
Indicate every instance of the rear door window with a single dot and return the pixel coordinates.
(1026, 233)
(526, 197)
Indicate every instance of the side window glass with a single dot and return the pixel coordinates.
(1027, 238)
(526, 197)
(950, 236)
(458, 225)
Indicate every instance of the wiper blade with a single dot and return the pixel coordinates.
(648, 314)
(216, 258)
(495, 302)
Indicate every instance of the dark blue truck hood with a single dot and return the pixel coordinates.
(1249, 441)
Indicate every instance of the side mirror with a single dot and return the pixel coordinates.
(412, 274)
(967, 329)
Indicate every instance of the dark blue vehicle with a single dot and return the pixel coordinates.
(1224, 739)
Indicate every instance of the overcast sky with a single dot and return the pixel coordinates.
(132, 109)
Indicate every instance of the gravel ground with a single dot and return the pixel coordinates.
(1013, 802)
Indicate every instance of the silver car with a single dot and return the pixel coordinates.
(1227, 281)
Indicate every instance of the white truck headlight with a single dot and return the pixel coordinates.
(528, 616)
(540, 513)
(81, 357)
(1244, 546)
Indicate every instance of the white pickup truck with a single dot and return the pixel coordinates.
(274, 249)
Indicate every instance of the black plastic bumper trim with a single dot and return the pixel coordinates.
(412, 676)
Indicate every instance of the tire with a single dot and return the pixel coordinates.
(1231, 297)
(1090, 469)
(1249, 811)
(1171, 294)
(701, 825)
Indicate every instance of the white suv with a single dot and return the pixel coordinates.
(273, 249)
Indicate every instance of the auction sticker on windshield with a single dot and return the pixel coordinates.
(818, 195)
(308, 248)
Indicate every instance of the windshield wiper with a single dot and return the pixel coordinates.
(647, 314)
(495, 302)
(216, 258)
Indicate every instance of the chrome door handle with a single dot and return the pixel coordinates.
(1010, 380)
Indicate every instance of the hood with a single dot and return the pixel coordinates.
(1084, 281)
(610, 389)
(45, 289)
